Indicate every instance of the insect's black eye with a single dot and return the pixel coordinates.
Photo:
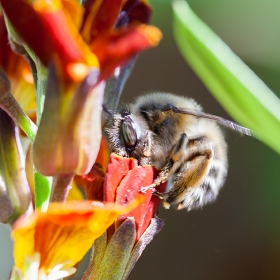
(129, 132)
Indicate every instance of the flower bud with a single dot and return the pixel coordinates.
(15, 194)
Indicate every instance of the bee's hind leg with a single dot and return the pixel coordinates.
(172, 163)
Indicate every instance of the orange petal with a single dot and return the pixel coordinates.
(117, 48)
(40, 31)
(64, 234)
(18, 72)
(75, 11)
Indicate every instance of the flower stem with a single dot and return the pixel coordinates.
(41, 79)
(60, 187)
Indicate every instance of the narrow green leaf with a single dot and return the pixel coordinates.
(246, 98)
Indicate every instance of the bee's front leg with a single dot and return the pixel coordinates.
(172, 162)
(143, 151)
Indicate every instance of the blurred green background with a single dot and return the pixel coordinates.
(237, 237)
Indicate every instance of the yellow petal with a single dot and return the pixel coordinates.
(64, 233)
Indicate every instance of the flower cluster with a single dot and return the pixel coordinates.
(60, 60)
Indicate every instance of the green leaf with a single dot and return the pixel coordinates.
(245, 97)
(42, 190)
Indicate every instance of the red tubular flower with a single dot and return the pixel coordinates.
(121, 184)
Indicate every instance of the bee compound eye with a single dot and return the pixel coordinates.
(129, 132)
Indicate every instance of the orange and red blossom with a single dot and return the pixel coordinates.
(61, 35)
(78, 38)
(63, 234)
(121, 184)
(48, 29)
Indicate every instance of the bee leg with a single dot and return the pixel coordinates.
(146, 147)
(178, 151)
(144, 157)
(172, 163)
(187, 191)
(161, 178)
(160, 194)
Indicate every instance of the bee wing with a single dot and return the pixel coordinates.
(220, 120)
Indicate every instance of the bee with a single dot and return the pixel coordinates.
(175, 135)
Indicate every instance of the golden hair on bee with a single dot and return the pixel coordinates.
(174, 134)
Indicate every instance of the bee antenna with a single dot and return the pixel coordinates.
(107, 110)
